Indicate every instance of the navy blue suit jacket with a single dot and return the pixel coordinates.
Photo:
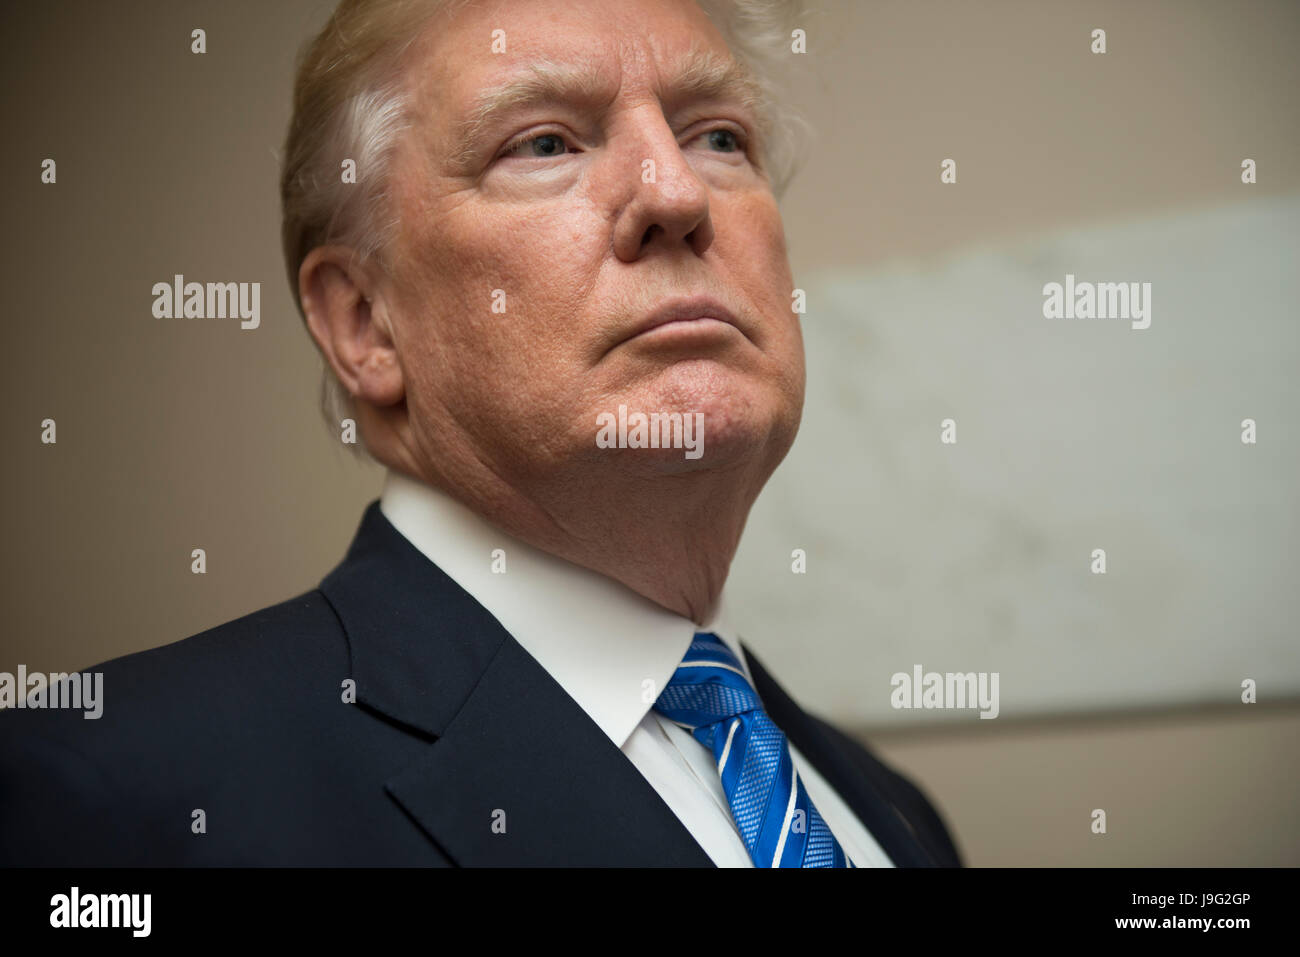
(454, 727)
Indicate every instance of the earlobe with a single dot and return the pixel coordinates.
(346, 317)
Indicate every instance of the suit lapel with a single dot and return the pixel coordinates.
(522, 776)
(515, 772)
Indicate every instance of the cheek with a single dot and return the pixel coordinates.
(507, 293)
(755, 250)
(518, 261)
(470, 281)
(753, 238)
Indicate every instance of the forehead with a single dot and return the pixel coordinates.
(480, 58)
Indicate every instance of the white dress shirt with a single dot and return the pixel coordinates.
(613, 651)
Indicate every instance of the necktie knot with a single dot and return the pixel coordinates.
(708, 687)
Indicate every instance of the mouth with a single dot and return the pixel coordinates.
(686, 319)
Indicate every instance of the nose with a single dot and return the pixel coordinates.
(668, 203)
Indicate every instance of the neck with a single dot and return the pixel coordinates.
(670, 538)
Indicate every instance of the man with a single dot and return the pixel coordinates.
(538, 246)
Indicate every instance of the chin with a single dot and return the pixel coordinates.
(699, 416)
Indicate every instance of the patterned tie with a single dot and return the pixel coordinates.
(710, 697)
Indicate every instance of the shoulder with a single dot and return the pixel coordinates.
(218, 674)
(178, 727)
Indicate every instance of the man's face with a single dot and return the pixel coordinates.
(579, 214)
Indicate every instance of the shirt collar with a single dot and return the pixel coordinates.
(612, 650)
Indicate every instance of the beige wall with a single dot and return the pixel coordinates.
(1046, 134)
(176, 436)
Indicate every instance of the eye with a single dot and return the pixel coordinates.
(725, 139)
(550, 145)
(537, 146)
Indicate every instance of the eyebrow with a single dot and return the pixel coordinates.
(698, 74)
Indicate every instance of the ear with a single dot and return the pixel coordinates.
(349, 322)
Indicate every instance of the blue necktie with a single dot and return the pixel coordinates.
(710, 697)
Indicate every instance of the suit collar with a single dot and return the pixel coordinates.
(511, 747)
(564, 615)
(417, 642)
